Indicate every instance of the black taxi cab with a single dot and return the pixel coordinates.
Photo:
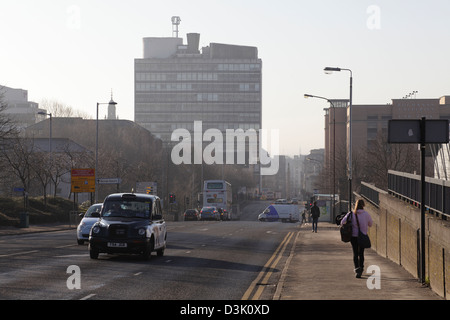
(129, 223)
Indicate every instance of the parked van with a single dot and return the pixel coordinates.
(280, 212)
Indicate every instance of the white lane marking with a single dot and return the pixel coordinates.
(68, 245)
(73, 255)
(88, 296)
(17, 253)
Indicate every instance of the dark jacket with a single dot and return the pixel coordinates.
(315, 212)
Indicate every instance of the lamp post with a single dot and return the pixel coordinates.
(96, 146)
(331, 70)
(49, 140)
(334, 148)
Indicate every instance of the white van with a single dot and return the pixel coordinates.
(280, 212)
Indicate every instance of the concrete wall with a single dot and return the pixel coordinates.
(396, 236)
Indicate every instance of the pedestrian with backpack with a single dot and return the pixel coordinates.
(361, 221)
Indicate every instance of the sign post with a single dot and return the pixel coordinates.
(421, 132)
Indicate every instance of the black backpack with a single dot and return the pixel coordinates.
(346, 229)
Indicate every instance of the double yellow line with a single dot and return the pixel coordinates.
(267, 270)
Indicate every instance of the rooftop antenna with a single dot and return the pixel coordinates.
(175, 23)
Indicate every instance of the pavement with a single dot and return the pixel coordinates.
(320, 267)
(9, 230)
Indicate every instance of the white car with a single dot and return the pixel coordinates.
(89, 218)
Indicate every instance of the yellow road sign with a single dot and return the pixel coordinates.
(83, 180)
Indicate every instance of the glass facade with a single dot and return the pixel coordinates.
(172, 93)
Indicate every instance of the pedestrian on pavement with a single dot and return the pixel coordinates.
(304, 216)
(363, 218)
(315, 214)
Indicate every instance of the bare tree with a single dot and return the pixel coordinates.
(382, 157)
(18, 154)
(41, 167)
(60, 109)
(8, 127)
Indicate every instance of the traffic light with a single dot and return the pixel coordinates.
(171, 198)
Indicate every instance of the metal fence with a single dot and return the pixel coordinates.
(371, 193)
(407, 187)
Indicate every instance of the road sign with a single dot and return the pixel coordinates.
(82, 180)
(109, 181)
(147, 187)
(409, 131)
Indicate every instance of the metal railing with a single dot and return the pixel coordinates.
(371, 193)
(406, 186)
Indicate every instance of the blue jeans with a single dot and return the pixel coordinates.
(314, 224)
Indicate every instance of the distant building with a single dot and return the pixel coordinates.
(23, 112)
(369, 122)
(176, 84)
(112, 110)
(312, 169)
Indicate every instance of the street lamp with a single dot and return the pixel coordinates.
(334, 147)
(50, 137)
(96, 146)
(330, 70)
(43, 113)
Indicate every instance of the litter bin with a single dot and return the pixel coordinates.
(24, 220)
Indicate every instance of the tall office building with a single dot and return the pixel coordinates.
(177, 84)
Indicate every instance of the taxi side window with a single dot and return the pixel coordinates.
(157, 213)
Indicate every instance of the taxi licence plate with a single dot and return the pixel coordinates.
(117, 245)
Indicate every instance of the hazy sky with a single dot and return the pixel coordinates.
(77, 51)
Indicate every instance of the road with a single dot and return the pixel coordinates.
(223, 260)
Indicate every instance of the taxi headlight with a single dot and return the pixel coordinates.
(141, 231)
(95, 229)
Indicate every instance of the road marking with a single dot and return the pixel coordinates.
(267, 270)
(88, 296)
(138, 273)
(66, 246)
(18, 253)
(277, 294)
(73, 255)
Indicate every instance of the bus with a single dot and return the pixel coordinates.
(217, 193)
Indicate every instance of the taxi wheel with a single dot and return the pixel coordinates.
(93, 252)
(146, 254)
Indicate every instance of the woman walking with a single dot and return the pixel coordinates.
(361, 220)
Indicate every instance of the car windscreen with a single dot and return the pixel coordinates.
(93, 212)
(127, 208)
